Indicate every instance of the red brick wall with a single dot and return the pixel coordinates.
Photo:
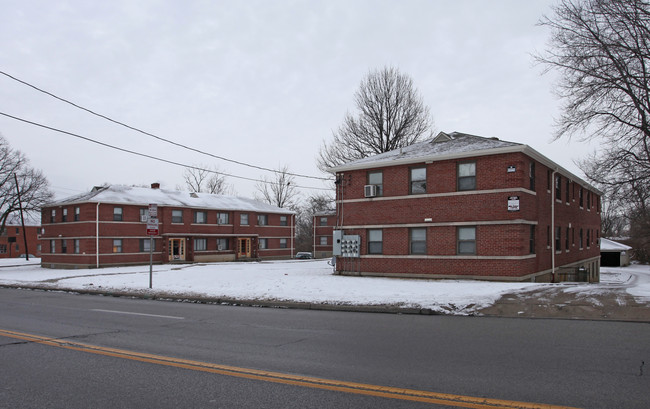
(131, 230)
(500, 234)
(16, 248)
(320, 250)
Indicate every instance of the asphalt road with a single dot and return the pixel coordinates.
(60, 350)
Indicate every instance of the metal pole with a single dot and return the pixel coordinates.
(150, 261)
(22, 221)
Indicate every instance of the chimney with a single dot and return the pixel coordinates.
(155, 185)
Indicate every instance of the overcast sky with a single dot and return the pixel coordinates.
(261, 82)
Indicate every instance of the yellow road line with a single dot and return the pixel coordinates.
(287, 379)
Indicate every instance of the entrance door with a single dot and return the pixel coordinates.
(176, 249)
(243, 248)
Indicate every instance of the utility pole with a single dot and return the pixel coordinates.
(22, 219)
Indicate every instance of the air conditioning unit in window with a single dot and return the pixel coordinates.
(370, 190)
(143, 218)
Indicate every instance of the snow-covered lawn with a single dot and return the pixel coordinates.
(309, 281)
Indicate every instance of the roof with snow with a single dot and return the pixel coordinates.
(129, 195)
(611, 245)
(441, 146)
(454, 145)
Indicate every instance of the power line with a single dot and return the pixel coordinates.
(144, 154)
(155, 136)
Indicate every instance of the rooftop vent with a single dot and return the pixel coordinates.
(194, 195)
(155, 185)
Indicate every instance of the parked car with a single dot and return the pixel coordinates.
(303, 255)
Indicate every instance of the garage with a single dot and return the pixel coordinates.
(614, 254)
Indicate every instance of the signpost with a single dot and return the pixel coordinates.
(152, 230)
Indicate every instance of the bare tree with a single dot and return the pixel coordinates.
(305, 219)
(32, 184)
(391, 114)
(203, 179)
(601, 49)
(279, 191)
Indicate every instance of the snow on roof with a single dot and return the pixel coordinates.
(121, 194)
(443, 144)
(611, 245)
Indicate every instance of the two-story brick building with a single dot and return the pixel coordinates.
(17, 240)
(324, 223)
(464, 206)
(107, 226)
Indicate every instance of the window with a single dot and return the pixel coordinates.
(418, 241)
(581, 240)
(145, 245)
(52, 246)
(375, 242)
(77, 212)
(566, 240)
(568, 187)
(283, 243)
(64, 246)
(222, 218)
(177, 216)
(243, 219)
(531, 176)
(466, 240)
(64, 215)
(117, 245)
(262, 220)
(588, 200)
(263, 244)
(53, 216)
(76, 246)
(531, 240)
(283, 220)
(418, 181)
(548, 179)
(588, 238)
(323, 240)
(117, 214)
(200, 244)
(3, 249)
(222, 244)
(200, 217)
(467, 176)
(323, 221)
(376, 178)
(558, 187)
(548, 237)
(580, 196)
(558, 238)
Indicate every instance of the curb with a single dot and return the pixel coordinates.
(383, 309)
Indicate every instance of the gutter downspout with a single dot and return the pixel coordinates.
(313, 222)
(97, 233)
(293, 223)
(554, 189)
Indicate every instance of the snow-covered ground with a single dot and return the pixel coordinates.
(309, 281)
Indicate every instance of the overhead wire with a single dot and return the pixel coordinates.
(158, 137)
(146, 155)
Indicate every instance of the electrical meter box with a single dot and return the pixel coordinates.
(346, 245)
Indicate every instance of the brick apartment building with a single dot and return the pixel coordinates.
(107, 226)
(12, 238)
(324, 224)
(464, 206)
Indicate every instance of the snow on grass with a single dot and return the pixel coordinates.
(306, 281)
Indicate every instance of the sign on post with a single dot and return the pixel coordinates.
(152, 230)
(152, 227)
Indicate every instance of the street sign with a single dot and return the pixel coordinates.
(153, 211)
(152, 227)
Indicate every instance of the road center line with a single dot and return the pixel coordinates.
(287, 379)
(139, 313)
